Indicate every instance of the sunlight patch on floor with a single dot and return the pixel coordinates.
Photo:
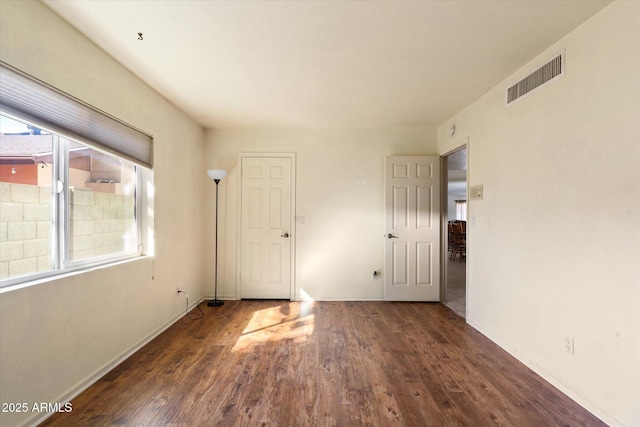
(289, 321)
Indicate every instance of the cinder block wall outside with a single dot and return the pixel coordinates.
(25, 222)
(100, 223)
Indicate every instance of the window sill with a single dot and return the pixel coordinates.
(69, 273)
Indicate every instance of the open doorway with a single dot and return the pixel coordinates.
(455, 262)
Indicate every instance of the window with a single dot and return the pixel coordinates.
(461, 210)
(63, 204)
(70, 190)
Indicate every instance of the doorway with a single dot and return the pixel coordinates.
(455, 260)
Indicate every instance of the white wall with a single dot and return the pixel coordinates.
(340, 192)
(55, 336)
(555, 249)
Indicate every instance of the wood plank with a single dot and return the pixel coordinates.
(278, 363)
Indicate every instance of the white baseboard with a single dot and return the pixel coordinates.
(220, 297)
(298, 299)
(340, 299)
(102, 371)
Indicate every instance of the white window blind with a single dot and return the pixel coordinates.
(26, 97)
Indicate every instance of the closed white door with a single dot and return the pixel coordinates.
(412, 251)
(266, 228)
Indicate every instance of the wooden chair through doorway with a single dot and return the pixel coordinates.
(459, 246)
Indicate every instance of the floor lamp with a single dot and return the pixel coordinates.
(216, 175)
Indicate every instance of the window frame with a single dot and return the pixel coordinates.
(63, 226)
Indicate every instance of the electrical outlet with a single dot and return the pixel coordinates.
(568, 345)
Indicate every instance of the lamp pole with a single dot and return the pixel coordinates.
(216, 175)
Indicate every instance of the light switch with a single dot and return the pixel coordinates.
(475, 192)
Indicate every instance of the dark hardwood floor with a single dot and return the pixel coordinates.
(280, 363)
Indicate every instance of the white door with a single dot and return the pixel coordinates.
(266, 232)
(412, 251)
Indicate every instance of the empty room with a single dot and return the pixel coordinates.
(237, 213)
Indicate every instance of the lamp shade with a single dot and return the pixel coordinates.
(216, 173)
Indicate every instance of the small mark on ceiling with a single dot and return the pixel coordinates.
(140, 36)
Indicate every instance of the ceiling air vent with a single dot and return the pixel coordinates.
(545, 74)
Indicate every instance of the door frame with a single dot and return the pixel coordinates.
(444, 258)
(292, 156)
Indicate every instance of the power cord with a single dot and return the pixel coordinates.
(186, 310)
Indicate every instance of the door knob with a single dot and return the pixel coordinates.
(285, 235)
(391, 236)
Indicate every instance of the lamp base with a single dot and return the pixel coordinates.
(215, 303)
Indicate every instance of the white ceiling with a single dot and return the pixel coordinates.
(329, 64)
